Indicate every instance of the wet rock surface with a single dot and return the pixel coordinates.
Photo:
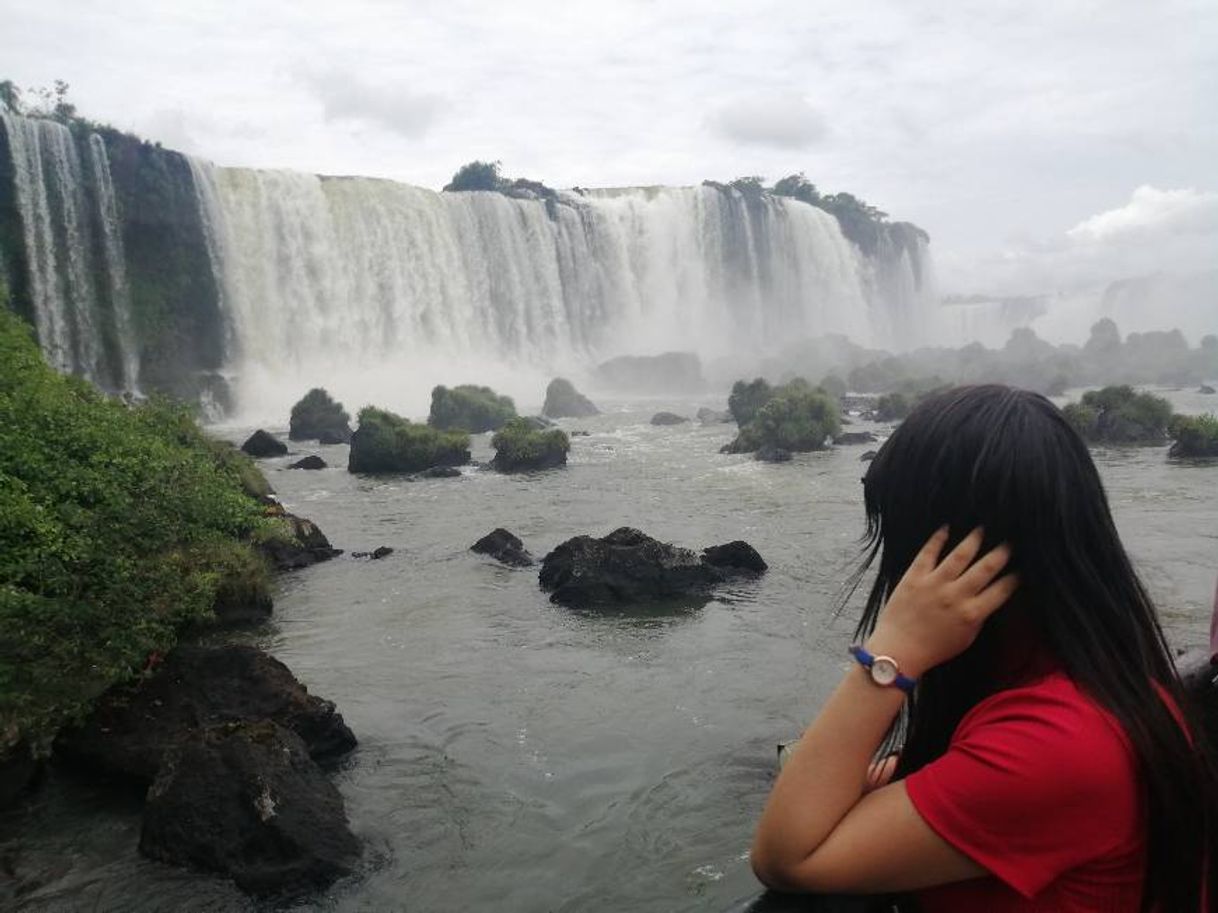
(306, 545)
(246, 800)
(628, 566)
(262, 444)
(133, 725)
(668, 418)
(503, 546)
(771, 454)
(313, 461)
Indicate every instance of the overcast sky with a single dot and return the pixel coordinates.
(1041, 144)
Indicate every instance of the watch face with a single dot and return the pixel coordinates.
(884, 670)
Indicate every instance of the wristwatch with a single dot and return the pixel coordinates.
(883, 670)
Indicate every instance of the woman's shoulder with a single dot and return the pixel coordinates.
(1051, 709)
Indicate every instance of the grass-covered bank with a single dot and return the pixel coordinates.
(119, 526)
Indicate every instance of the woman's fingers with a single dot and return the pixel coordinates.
(927, 558)
(984, 570)
(958, 560)
(993, 597)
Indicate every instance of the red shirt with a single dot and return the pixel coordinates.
(1039, 786)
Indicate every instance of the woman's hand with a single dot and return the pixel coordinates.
(936, 611)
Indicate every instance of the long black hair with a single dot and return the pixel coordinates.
(1007, 460)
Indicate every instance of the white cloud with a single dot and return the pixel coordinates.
(1152, 212)
(345, 96)
(784, 121)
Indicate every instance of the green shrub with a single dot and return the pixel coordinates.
(893, 407)
(469, 408)
(385, 442)
(317, 413)
(797, 419)
(1195, 436)
(519, 447)
(1120, 415)
(746, 399)
(118, 527)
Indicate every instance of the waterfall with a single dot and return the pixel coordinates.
(116, 265)
(73, 251)
(327, 274)
(143, 268)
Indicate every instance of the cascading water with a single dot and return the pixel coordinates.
(326, 277)
(73, 251)
(116, 264)
(142, 267)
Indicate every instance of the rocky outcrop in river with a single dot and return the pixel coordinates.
(133, 726)
(245, 799)
(503, 546)
(628, 566)
(564, 401)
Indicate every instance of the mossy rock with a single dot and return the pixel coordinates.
(469, 408)
(1195, 437)
(318, 416)
(385, 442)
(520, 448)
(798, 419)
(1120, 415)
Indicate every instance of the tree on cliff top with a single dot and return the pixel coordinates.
(476, 176)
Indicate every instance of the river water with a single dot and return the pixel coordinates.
(518, 756)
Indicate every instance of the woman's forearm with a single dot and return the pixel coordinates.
(825, 777)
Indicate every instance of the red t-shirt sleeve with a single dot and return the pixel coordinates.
(1036, 781)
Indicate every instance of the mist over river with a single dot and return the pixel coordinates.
(516, 755)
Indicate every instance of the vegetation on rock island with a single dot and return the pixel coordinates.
(1120, 415)
(795, 416)
(1195, 437)
(519, 447)
(469, 408)
(385, 442)
(317, 415)
(119, 525)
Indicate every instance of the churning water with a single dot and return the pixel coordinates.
(518, 756)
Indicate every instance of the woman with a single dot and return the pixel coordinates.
(1043, 760)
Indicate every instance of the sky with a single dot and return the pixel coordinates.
(1043, 145)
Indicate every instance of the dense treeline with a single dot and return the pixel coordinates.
(1026, 360)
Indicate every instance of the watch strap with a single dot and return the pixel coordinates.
(867, 660)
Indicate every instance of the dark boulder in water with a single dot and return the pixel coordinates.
(768, 454)
(735, 556)
(333, 437)
(133, 725)
(313, 461)
(246, 800)
(383, 551)
(1206, 389)
(668, 418)
(628, 566)
(564, 401)
(503, 546)
(262, 444)
(855, 437)
(868, 456)
(304, 545)
(440, 472)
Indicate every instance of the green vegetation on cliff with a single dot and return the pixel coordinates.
(519, 447)
(385, 442)
(469, 408)
(119, 525)
(1120, 415)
